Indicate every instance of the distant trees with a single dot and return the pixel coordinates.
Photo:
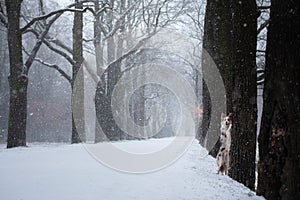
(42, 81)
(123, 30)
(230, 39)
(230, 36)
(114, 27)
(18, 80)
(279, 149)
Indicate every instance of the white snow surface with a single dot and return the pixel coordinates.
(69, 172)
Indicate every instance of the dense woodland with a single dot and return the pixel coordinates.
(254, 44)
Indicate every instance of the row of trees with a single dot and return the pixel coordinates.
(19, 69)
(230, 37)
(102, 28)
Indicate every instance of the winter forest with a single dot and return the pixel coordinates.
(149, 99)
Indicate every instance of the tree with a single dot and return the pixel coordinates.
(217, 42)
(18, 80)
(279, 150)
(77, 70)
(4, 88)
(231, 42)
(118, 29)
(244, 96)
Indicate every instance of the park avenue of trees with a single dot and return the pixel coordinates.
(254, 44)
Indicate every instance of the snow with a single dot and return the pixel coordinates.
(61, 171)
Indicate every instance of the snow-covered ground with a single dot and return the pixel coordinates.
(62, 172)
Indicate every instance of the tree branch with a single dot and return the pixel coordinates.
(47, 37)
(61, 11)
(56, 67)
(261, 51)
(63, 54)
(263, 7)
(262, 26)
(60, 44)
(88, 40)
(39, 42)
(158, 14)
(132, 51)
(117, 24)
(3, 18)
(48, 44)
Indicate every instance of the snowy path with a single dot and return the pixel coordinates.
(64, 172)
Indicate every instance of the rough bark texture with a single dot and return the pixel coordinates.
(217, 42)
(206, 117)
(230, 39)
(17, 80)
(243, 145)
(279, 147)
(78, 85)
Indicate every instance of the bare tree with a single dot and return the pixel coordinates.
(118, 29)
(18, 80)
(4, 87)
(77, 70)
(18, 70)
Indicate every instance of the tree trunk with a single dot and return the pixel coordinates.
(279, 148)
(206, 117)
(99, 62)
(217, 42)
(111, 55)
(113, 74)
(78, 85)
(243, 145)
(4, 87)
(17, 80)
(230, 39)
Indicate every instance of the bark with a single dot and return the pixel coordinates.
(206, 117)
(104, 110)
(111, 55)
(18, 81)
(121, 31)
(78, 85)
(114, 72)
(279, 149)
(97, 39)
(217, 42)
(4, 87)
(244, 99)
(99, 61)
(230, 39)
